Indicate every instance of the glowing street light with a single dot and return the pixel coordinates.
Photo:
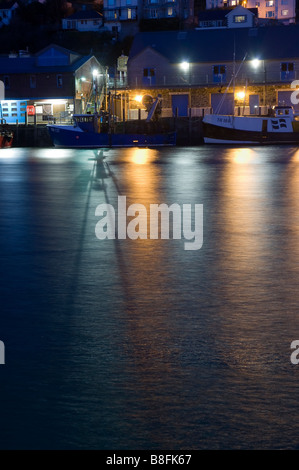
(185, 66)
(255, 63)
(240, 95)
(138, 98)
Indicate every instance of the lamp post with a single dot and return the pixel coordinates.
(185, 67)
(95, 74)
(256, 63)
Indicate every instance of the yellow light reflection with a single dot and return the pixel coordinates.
(242, 156)
(142, 156)
(295, 157)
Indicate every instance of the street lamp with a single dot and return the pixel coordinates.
(186, 68)
(256, 63)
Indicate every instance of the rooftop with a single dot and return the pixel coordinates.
(204, 45)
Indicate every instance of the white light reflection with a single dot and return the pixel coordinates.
(10, 153)
(52, 153)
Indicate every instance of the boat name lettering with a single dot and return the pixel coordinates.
(224, 119)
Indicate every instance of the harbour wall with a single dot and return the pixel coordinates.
(189, 131)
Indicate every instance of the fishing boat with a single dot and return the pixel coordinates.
(6, 138)
(92, 131)
(280, 126)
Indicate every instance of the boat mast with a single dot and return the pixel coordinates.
(234, 69)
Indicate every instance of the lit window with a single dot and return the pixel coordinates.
(169, 11)
(129, 14)
(239, 19)
(270, 3)
(284, 12)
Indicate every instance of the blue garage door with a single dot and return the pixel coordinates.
(180, 102)
(222, 103)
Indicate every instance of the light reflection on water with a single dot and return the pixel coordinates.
(139, 344)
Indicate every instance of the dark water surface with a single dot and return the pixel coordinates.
(140, 344)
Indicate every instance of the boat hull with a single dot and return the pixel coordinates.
(249, 130)
(6, 139)
(74, 137)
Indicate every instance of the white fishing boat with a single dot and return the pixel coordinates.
(280, 126)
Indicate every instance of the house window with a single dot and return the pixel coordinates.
(219, 73)
(153, 13)
(169, 11)
(240, 19)
(257, 4)
(287, 71)
(6, 81)
(149, 76)
(59, 81)
(233, 3)
(32, 81)
(284, 2)
(111, 3)
(270, 14)
(129, 14)
(129, 2)
(284, 12)
(270, 3)
(153, 1)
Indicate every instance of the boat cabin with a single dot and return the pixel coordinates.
(86, 122)
(282, 111)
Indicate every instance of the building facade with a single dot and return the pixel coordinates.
(84, 20)
(282, 10)
(56, 81)
(193, 69)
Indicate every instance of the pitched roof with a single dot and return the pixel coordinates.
(85, 15)
(205, 45)
(12, 65)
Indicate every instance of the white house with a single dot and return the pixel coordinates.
(238, 17)
(282, 10)
(84, 20)
(7, 10)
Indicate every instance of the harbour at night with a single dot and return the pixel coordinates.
(140, 344)
(149, 227)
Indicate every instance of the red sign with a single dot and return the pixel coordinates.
(30, 110)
